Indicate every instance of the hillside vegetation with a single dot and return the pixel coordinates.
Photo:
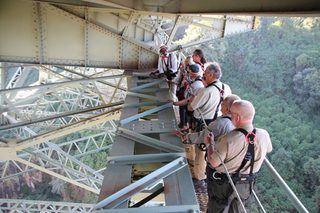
(277, 67)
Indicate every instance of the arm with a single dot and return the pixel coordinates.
(213, 162)
(191, 98)
(269, 143)
(181, 103)
(209, 141)
(198, 100)
(218, 151)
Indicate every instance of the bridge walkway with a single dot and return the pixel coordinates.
(145, 146)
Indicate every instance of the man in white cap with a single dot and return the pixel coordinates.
(167, 66)
(167, 62)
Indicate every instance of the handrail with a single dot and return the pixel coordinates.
(294, 199)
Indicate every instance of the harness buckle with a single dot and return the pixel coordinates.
(250, 137)
(222, 92)
(248, 156)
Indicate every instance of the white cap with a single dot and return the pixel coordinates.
(163, 46)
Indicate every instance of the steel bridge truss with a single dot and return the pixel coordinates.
(80, 103)
(28, 102)
(59, 158)
(53, 124)
(47, 154)
(29, 206)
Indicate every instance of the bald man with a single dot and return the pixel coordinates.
(232, 149)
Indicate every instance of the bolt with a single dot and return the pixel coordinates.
(182, 162)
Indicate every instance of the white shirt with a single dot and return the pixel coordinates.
(206, 102)
(196, 86)
(169, 61)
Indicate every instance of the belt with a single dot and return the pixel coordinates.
(220, 176)
(236, 178)
(214, 174)
(244, 178)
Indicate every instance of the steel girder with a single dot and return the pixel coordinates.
(14, 78)
(51, 120)
(102, 37)
(50, 27)
(272, 7)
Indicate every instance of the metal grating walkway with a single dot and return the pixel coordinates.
(146, 154)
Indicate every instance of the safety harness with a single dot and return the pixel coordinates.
(250, 178)
(237, 177)
(169, 72)
(198, 78)
(221, 91)
(202, 146)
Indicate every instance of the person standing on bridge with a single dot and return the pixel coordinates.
(194, 85)
(242, 151)
(205, 106)
(198, 58)
(167, 66)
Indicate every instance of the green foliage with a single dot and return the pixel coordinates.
(303, 61)
(307, 88)
(277, 68)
